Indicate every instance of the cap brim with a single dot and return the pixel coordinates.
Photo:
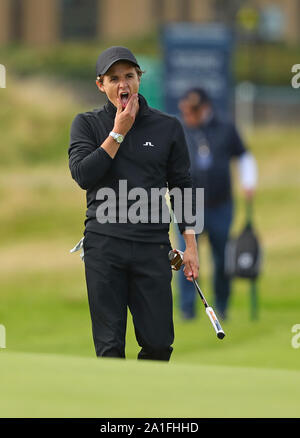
(114, 61)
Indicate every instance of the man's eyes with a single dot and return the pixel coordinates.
(114, 78)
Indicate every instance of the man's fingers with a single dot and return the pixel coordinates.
(196, 269)
(188, 271)
(195, 272)
(125, 118)
(119, 106)
(132, 104)
(191, 270)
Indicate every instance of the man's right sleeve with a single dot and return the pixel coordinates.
(87, 161)
(237, 145)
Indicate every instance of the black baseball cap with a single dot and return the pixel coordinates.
(111, 55)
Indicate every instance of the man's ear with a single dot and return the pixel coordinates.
(100, 85)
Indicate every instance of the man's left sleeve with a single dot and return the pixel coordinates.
(246, 161)
(247, 171)
(183, 201)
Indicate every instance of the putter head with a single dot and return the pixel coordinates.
(176, 259)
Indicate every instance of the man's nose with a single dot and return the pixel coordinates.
(123, 83)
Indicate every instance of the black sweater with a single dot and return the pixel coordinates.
(154, 154)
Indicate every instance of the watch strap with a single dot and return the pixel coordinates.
(115, 136)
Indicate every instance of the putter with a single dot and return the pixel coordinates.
(176, 259)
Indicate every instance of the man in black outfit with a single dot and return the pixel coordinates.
(114, 152)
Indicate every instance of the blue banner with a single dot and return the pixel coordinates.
(197, 55)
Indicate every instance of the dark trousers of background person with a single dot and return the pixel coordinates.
(217, 222)
(120, 274)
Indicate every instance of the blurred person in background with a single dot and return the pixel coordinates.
(213, 143)
(126, 263)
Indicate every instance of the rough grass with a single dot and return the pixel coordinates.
(35, 117)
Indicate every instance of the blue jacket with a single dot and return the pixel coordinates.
(211, 147)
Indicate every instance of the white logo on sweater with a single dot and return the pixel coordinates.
(148, 143)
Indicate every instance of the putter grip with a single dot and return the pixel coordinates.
(215, 322)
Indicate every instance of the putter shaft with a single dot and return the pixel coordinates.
(176, 259)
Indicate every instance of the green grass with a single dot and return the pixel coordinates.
(36, 385)
(43, 293)
(35, 118)
(47, 312)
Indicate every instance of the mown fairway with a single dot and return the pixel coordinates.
(36, 385)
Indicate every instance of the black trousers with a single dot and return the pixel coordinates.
(123, 274)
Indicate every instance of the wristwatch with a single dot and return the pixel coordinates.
(117, 137)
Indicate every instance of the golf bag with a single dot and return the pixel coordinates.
(243, 254)
(243, 259)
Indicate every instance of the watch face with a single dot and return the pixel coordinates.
(119, 138)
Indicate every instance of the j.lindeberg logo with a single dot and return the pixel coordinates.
(148, 143)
